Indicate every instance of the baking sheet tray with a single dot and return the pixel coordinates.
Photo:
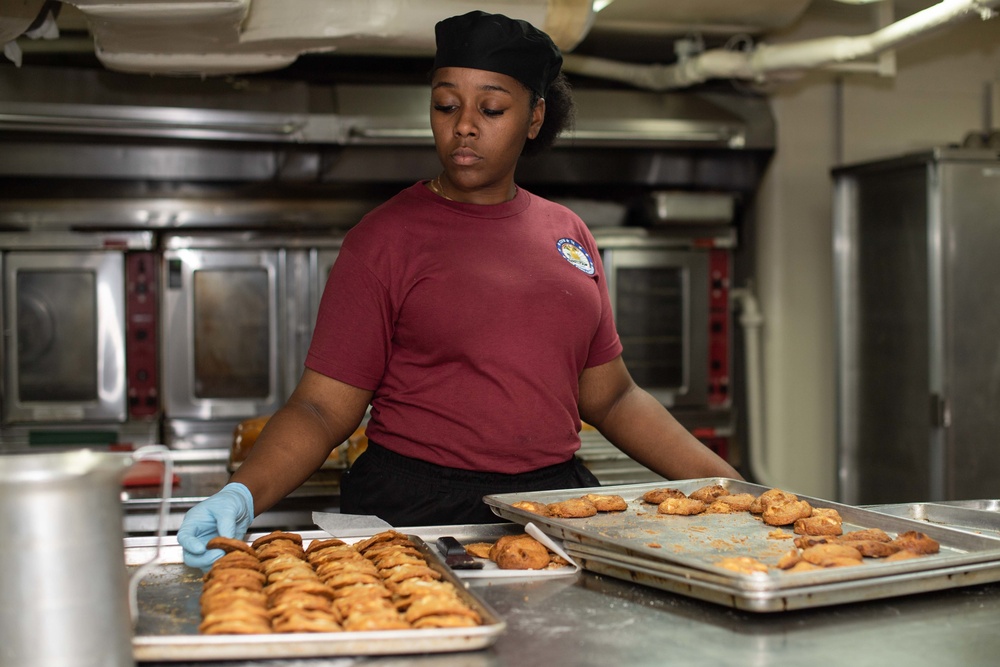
(671, 549)
(987, 505)
(805, 597)
(966, 516)
(169, 614)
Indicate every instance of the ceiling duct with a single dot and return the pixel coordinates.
(213, 37)
(209, 37)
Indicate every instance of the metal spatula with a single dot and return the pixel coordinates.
(455, 556)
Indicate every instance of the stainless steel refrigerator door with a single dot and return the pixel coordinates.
(884, 329)
(918, 309)
(970, 213)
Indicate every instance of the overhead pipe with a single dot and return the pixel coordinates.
(764, 59)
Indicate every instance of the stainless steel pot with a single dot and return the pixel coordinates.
(64, 585)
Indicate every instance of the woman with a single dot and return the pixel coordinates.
(472, 315)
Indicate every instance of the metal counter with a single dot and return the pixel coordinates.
(200, 477)
(587, 619)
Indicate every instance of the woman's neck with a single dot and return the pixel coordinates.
(488, 195)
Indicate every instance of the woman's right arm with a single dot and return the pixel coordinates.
(320, 414)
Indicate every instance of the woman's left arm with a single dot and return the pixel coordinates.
(642, 427)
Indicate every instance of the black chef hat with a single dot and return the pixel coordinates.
(495, 43)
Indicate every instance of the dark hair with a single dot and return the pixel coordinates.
(560, 112)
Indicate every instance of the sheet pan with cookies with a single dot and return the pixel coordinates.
(750, 546)
(285, 594)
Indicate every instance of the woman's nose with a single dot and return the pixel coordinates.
(465, 124)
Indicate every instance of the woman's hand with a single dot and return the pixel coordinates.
(228, 513)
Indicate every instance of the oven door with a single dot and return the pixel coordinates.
(222, 337)
(660, 298)
(64, 337)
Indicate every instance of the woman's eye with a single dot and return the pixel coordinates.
(451, 108)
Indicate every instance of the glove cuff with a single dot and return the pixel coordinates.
(241, 491)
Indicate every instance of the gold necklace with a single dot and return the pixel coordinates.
(436, 188)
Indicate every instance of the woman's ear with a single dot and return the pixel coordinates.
(537, 118)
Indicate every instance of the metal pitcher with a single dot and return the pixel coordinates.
(63, 582)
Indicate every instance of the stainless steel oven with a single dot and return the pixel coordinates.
(671, 303)
(79, 342)
(238, 313)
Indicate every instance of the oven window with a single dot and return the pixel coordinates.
(57, 335)
(650, 320)
(231, 333)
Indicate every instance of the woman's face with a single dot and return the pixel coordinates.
(480, 122)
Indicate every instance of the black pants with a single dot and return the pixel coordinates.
(409, 492)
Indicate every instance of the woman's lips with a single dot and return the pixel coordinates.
(464, 156)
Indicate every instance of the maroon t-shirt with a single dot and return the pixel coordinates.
(471, 324)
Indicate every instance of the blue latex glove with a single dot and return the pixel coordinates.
(228, 514)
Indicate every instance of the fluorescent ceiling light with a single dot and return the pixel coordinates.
(601, 4)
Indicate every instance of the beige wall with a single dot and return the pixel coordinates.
(935, 98)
